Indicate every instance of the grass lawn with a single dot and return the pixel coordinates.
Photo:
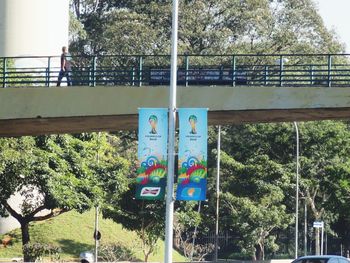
(73, 232)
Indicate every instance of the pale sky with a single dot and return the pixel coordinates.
(336, 15)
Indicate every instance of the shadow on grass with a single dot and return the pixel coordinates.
(73, 248)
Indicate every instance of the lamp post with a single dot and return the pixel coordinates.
(297, 192)
(217, 195)
(305, 227)
(97, 207)
(169, 217)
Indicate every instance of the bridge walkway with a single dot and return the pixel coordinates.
(236, 89)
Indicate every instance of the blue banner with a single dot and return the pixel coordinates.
(152, 154)
(193, 136)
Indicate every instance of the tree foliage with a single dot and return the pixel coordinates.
(205, 27)
(144, 217)
(258, 179)
(57, 173)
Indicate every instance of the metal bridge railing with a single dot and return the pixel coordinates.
(292, 70)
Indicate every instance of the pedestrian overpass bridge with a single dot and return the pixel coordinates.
(107, 91)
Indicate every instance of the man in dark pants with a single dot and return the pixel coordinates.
(65, 67)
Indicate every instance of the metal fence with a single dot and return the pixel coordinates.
(292, 70)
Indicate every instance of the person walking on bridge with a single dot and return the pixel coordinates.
(66, 68)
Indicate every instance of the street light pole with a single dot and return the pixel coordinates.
(97, 207)
(96, 234)
(217, 195)
(169, 217)
(297, 192)
(305, 227)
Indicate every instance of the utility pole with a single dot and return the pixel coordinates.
(169, 217)
(322, 235)
(297, 193)
(217, 195)
(305, 227)
(96, 234)
(97, 208)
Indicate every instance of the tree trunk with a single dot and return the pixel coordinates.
(317, 242)
(254, 255)
(260, 252)
(25, 240)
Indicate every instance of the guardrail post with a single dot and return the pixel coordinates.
(281, 71)
(140, 70)
(187, 60)
(233, 71)
(93, 73)
(329, 75)
(311, 75)
(48, 72)
(4, 69)
(266, 75)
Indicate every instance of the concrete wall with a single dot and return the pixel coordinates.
(33, 27)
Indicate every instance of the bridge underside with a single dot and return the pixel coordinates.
(34, 110)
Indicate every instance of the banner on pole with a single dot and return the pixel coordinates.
(152, 154)
(192, 172)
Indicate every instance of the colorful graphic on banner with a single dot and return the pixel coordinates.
(152, 154)
(192, 175)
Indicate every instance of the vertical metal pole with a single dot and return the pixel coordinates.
(297, 192)
(169, 218)
(326, 243)
(322, 235)
(97, 208)
(140, 70)
(93, 71)
(96, 231)
(4, 69)
(217, 195)
(266, 75)
(305, 228)
(48, 71)
(281, 71)
(329, 77)
(186, 69)
(132, 76)
(233, 71)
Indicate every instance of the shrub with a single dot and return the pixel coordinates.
(37, 251)
(116, 252)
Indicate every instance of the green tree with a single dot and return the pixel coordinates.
(205, 27)
(254, 201)
(188, 229)
(253, 154)
(55, 174)
(144, 217)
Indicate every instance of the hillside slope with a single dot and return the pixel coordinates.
(73, 232)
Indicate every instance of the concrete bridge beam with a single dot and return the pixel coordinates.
(36, 110)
